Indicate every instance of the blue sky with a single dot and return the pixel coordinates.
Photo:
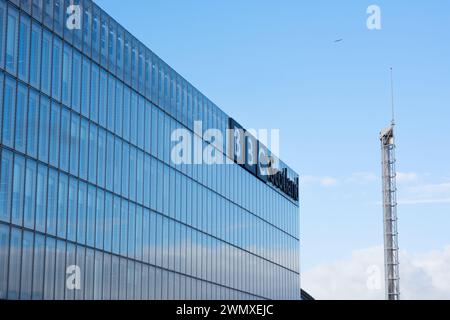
(274, 64)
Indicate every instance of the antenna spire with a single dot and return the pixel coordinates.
(392, 97)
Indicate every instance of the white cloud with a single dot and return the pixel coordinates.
(406, 177)
(424, 201)
(432, 189)
(356, 177)
(362, 177)
(423, 276)
(426, 194)
(322, 181)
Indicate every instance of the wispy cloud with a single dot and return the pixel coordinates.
(410, 189)
(424, 201)
(405, 177)
(426, 194)
(361, 276)
(432, 189)
(322, 181)
(363, 177)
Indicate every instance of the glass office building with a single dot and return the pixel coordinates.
(86, 179)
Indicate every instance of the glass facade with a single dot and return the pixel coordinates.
(86, 177)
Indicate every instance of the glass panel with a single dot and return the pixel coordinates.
(84, 145)
(76, 81)
(139, 177)
(2, 31)
(133, 118)
(60, 274)
(11, 40)
(101, 157)
(56, 65)
(49, 278)
(74, 143)
(59, 16)
(48, 13)
(132, 179)
(111, 103)
(24, 43)
(126, 114)
(139, 229)
(122, 275)
(41, 198)
(35, 55)
(65, 140)
(112, 46)
(52, 201)
(99, 219)
(9, 108)
(93, 153)
(126, 58)
(146, 178)
(132, 231)
(44, 128)
(33, 123)
(70, 261)
(62, 204)
(110, 154)
(103, 97)
(87, 17)
(21, 118)
(107, 277)
(124, 228)
(82, 207)
(141, 123)
(126, 169)
(115, 272)
(30, 194)
(37, 7)
(130, 280)
(94, 93)
(119, 48)
(38, 267)
(116, 226)
(27, 265)
(98, 276)
(18, 190)
(66, 75)
(46, 62)
(85, 87)
(91, 213)
(55, 119)
(80, 262)
(95, 35)
(72, 212)
(119, 108)
(75, 32)
(103, 39)
(89, 275)
(108, 222)
(4, 254)
(14, 264)
(146, 236)
(148, 131)
(117, 165)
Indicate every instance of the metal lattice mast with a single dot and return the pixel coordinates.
(391, 261)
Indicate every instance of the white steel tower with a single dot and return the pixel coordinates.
(391, 261)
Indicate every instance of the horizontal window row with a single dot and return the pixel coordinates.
(34, 266)
(41, 198)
